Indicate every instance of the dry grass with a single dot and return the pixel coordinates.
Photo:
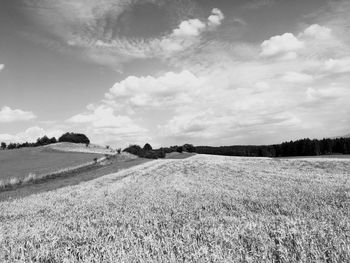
(38, 160)
(202, 209)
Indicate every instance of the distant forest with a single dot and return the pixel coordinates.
(304, 147)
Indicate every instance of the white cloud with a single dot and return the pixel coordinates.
(216, 18)
(286, 44)
(2, 66)
(297, 78)
(30, 135)
(317, 31)
(192, 27)
(104, 126)
(12, 115)
(168, 89)
(341, 65)
(187, 33)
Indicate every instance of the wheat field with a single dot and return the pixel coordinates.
(201, 209)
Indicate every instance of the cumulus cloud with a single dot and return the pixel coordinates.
(12, 115)
(168, 89)
(286, 45)
(317, 31)
(104, 125)
(216, 18)
(187, 33)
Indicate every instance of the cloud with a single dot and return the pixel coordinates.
(2, 66)
(286, 45)
(30, 135)
(94, 28)
(317, 31)
(216, 18)
(341, 65)
(255, 4)
(103, 126)
(12, 115)
(168, 89)
(297, 78)
(187, 34)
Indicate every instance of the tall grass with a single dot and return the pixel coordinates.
(202, 209)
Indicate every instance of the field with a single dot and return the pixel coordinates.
(201, 209)
(39, 160)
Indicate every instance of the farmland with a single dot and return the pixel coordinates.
(39, 160)
(201, 209)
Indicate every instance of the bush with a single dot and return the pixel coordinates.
(74, 138)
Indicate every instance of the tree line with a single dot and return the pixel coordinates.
(45, 140)
(304, 147)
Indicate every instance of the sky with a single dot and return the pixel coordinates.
(169, 72)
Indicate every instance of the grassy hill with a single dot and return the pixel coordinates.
(201, 209)
(19, 163)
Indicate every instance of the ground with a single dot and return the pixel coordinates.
(200, 209)
(19, 163)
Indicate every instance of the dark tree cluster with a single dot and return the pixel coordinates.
(67, 137)
(146, 152)
(185, 148)
(74, 138)
(39, 142)
(304, 147)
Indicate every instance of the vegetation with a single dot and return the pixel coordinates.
(67, 137)
(202, 209)
(74, 138)
(144, 153)
(40, 161)
(305, 147)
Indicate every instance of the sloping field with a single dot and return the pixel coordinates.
(201, 209)
(38, 160)
(80, 147)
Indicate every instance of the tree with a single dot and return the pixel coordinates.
(147, 147)
(74, 138)
(3, 145)
(189, 148)
(179, 149)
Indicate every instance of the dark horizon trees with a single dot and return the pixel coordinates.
(67, 137)
(304, 147)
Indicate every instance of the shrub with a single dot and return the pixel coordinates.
(30, 178)
(14, 181)
(74, 138)
(119, 151)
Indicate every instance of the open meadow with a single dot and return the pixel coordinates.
(19, 163)
(200, 209)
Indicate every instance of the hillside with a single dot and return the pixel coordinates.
(18, 163)
(79, 147)
(201, 209)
